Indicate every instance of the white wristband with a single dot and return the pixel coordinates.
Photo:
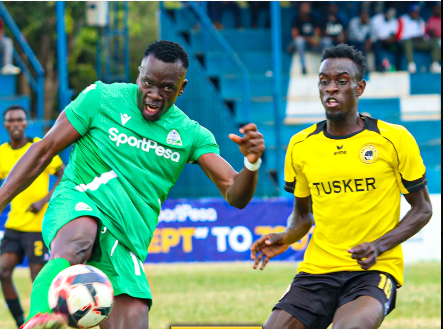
(252, 166)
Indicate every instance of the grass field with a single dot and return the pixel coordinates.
(232, 293)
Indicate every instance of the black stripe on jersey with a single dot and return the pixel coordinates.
(372, 124)
(320, 127)
(416, 185)
(290, 187)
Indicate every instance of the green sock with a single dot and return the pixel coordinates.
(40, 288)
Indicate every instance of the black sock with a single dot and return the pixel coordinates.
(16, 311)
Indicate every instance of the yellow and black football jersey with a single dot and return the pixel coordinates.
(19, 218)
(355, 182)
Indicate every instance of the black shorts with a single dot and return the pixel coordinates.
(313, 299)
(23, 244)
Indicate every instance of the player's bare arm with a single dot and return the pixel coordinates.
(37, 158)
(37, 206)
(271, 245)
(367, 253)
(237, 188)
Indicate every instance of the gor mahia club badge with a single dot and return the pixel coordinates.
(174, 138)
(368, 154)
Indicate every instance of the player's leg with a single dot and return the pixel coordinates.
(128, 312)
(366, 299)
(73, 244)
(36, 251)
(35, 270)
(280, 319)
(363, 313)
(8, 261)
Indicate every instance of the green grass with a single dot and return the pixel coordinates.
(232, 293)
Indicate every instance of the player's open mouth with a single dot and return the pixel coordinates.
(151, 109)
(332, 102)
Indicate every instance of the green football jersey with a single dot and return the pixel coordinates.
(126, 164)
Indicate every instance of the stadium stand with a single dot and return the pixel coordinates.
(398, 97)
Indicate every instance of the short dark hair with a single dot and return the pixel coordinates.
(15, 108)
(168, 52)
(346, 51)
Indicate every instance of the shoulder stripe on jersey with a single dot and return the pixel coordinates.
(372, 124)
(415, 185)
(320, 127)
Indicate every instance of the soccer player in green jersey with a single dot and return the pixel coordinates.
(130, 144)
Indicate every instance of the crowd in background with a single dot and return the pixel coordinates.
(373, 26)
(6, 52)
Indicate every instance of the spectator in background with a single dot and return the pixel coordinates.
(6, 50)
(412, 30)
(433, 25)
(306, 34)
(255, 7)
(359, 32)
(334, 27)
(216, 9)
(384, 37)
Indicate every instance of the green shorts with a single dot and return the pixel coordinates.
(124, 269)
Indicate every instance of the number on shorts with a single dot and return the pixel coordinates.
(38, 248)
(386, 285)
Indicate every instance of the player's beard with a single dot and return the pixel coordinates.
(336, 117)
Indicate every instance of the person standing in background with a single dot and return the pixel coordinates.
(6, 50)
(412, 30)
(359, 32)
(384, 31)
(23, 229)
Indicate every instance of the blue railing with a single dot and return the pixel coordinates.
(37, 84)
(207, 28)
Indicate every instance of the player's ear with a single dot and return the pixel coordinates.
(182, 89)
(361, 86)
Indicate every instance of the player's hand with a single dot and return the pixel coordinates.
(36, 207)
(366, 255)
(267, 247)
(252, 144)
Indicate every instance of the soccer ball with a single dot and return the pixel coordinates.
(83, 294)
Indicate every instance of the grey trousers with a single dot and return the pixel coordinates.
(6, 49)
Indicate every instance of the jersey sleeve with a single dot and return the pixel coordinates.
(411, 169)
(84, 108)
(295, 181)
(204, 143)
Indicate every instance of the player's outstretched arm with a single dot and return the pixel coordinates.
(37, 158)
(366, 254)
(271, 245)
(237, 188)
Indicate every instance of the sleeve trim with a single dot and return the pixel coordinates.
(290, 187)
(416, 185)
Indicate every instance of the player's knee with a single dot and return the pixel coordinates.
(356, 326)
(75, 252)
(5, 274)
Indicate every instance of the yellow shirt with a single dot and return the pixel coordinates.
(19, 218)
(356, 183)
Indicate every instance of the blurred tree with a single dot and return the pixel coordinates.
(37, 22)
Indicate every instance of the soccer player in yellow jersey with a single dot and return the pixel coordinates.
(347, 174)
(24, 225)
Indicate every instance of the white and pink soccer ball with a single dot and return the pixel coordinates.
(83, 294)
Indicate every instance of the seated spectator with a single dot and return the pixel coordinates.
(333, 26)
(255, 7)
(412, 30)
(433, 25)
(359, 32)
(6, 49)
(384, 37)
(306, 34)
(216, 9)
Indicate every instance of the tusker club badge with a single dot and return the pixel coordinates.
(174, 138)
(369, 154)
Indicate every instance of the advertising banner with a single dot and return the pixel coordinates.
(209, 230)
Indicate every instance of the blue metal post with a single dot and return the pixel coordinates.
(277, 68)
(62, 57)
(126, 40)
